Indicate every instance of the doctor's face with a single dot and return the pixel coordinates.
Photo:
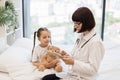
(77, 26)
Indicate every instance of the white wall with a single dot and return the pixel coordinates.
(2, 3)
(3, 42)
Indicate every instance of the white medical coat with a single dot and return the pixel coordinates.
(86, 59)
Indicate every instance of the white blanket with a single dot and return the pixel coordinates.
(27, 71)
(16, 62)
(19, 56)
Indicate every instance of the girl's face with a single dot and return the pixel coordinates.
(77, 26)
(44, 38)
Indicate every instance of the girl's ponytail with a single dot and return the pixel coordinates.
(34, 42)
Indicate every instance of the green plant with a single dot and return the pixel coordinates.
(8, 15)
(12, 14)
(4, 19)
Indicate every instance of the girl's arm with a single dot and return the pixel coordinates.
(35, 63)
(35, 57)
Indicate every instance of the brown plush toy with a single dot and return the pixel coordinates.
(47, 60)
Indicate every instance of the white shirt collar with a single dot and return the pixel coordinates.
(88, 36)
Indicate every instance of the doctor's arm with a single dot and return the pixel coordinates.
(88, 68)
(96, 53)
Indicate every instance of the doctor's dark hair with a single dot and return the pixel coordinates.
(38, 34)
(85, 16)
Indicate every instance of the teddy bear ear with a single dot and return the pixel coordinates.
(49, 48)
(53, 48)
(54, 53)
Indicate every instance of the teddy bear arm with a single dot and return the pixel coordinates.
(44, 61)
(41, 67)
(58, 68)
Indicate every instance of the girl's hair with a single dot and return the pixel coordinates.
(38, 32)
(85, 16)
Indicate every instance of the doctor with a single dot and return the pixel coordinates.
(87, 52)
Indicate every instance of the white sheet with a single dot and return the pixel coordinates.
(14, 55)
(27, 71)
(24, 72)
(16, 61)
(4, 76)
(109, 69)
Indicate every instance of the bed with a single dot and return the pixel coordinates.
(110, 65)
(15, 64)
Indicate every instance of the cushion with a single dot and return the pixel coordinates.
(14, 55)
(27, 71)
(24, 43)
(21, 71)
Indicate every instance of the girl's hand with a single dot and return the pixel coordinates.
(68, 59)
(52, 64)
(36, 64)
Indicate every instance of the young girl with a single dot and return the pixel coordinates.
(44, 36)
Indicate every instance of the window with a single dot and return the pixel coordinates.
(56, 16)
(112, 22)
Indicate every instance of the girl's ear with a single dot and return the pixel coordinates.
(38, 38)
(49, 48)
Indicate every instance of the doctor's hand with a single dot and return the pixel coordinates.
(63, 53)
(68, 59)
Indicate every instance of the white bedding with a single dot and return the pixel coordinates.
(24, 72)
(16, 61)
(20, 67)
(4, 76)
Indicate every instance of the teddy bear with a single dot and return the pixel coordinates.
(47, 60)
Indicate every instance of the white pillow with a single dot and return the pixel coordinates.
(14, 55)
(21, 71)
(24, 43)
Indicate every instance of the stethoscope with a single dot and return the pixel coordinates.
(77, 44)
(77, 41)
